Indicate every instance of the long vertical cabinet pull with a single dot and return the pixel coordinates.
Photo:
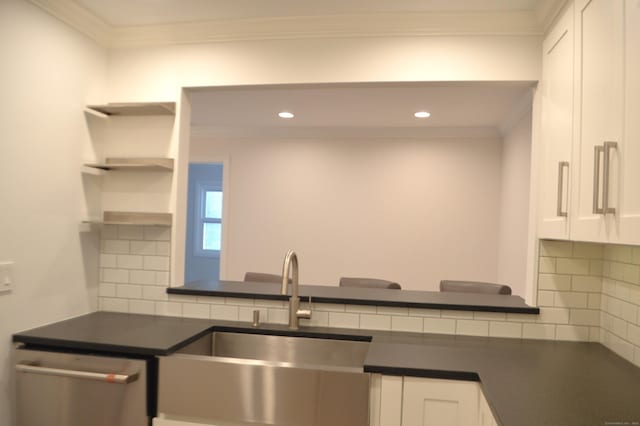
(604, 151)
(561, 166)
(606, 175)
(597, 150)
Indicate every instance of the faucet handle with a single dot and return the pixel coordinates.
(305, 313)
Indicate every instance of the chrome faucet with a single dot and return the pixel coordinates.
(295, 313)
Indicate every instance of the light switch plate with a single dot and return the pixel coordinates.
(6, 277)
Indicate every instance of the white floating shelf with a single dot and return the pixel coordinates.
(133, 218)
(152, 164)
(135, 108)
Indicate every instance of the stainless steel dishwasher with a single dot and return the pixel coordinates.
(68, 389)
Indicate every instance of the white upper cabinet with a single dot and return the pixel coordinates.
(556, 90)
(598, 144)
(629, 199)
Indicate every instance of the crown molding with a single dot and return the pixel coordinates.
(547, 12)
(79, 18)
(307, 27)
(300, 27)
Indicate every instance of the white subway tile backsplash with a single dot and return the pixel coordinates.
(539, 331)
(546, 298)
(565, 299)
(143, 247)
(227, 312)
(108, 260)
(274, 304)
(505, 329)
(377, 322)
(330, 307)
(142, 277)
(114, 305)
(115, 246)
(586, 284)
(245, 314)
(587, 317)
(162, 278)
(417, 312)
(106, 290)
(392, 310)
(553, 315)
(572, 333)
(128, 291)
(115, 275)
(572, 266)
(163, 248)
(588, 250)
(142, 307)
(595, 301)
(318, 319)
(491, 316)
(361, 309)
(109, 232)
(472, 328)
(156, 263)
(586, 291)
(281, 316)
(439, 325)
(457, 314)
(344, 320)
(238, 301)
(411, 324)
(554, 282)
(128, 261)
(556, 248)
(547, 265)
(154, 293)
(171, 309)
(157, 233)
(129, 232)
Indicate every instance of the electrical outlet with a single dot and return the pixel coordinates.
(6, 277)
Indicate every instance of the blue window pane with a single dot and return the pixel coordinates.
(213, 205)
(211, 236)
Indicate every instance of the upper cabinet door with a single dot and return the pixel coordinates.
(598, 115)
(629, 217)
(556, 90)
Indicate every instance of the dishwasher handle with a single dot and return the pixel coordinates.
(76, 374)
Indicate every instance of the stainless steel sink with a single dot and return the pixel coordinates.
(286, 349)
(239, 378)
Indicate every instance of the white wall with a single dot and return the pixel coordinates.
(48, 73)
(513, 235)
(413, 211)
(156, 73)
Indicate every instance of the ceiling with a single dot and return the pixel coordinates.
(124, 23)
(359, 109)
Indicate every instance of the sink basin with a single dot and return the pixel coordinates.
(319, 352)
(241, 379)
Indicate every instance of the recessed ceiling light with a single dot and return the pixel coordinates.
(422, 114)
(285, 114)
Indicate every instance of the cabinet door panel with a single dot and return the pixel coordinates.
(599, 113)
(557, 128)
(431, 402)
(629, 215)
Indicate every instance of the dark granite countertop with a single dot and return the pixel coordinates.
(526, 382)
(362, 296)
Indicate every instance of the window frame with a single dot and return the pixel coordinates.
(202, 187)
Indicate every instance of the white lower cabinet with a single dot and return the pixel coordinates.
(414, 401)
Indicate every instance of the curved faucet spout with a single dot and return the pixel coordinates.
(290, 263)
(295, 313)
